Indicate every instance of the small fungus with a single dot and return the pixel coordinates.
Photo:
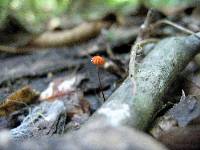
(98, 60)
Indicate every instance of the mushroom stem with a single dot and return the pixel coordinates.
(100, 85)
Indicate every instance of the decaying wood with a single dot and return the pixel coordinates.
(153, 77)
(44, 120)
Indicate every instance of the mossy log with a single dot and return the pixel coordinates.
(134, 103)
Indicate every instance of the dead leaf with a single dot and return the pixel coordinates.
(191, 76)
(65, 89)
(76, 122)
(61, 87)
(163, 124)
(18, 99)
(182, 138)
(182, 114)
(186, 110)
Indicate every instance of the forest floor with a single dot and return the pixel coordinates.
(49, 85)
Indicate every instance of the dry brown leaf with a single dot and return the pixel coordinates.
(18, 99)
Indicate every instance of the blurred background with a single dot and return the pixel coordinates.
(34, 14)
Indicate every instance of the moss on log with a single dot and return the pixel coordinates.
(153, 77)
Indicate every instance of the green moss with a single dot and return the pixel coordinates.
(34, 13)
(4, 4)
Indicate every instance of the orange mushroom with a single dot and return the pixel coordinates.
(98, 60)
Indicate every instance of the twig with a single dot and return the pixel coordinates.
(179, 27)
(168, 22)
(8, 49)
(142, 35)
(145, 27)
(19, 102)
(109, 51)
(140, 44)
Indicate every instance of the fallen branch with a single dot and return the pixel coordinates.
(120, 36)
(153, 77)
(80, 33)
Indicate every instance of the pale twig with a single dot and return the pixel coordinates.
(140, 44)
(168, 22)
(19, 102)
(145, 29)
(142, 35)
(8, 49)
(137, 48)
(16, 50)
(177, 26)
(109, 51)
